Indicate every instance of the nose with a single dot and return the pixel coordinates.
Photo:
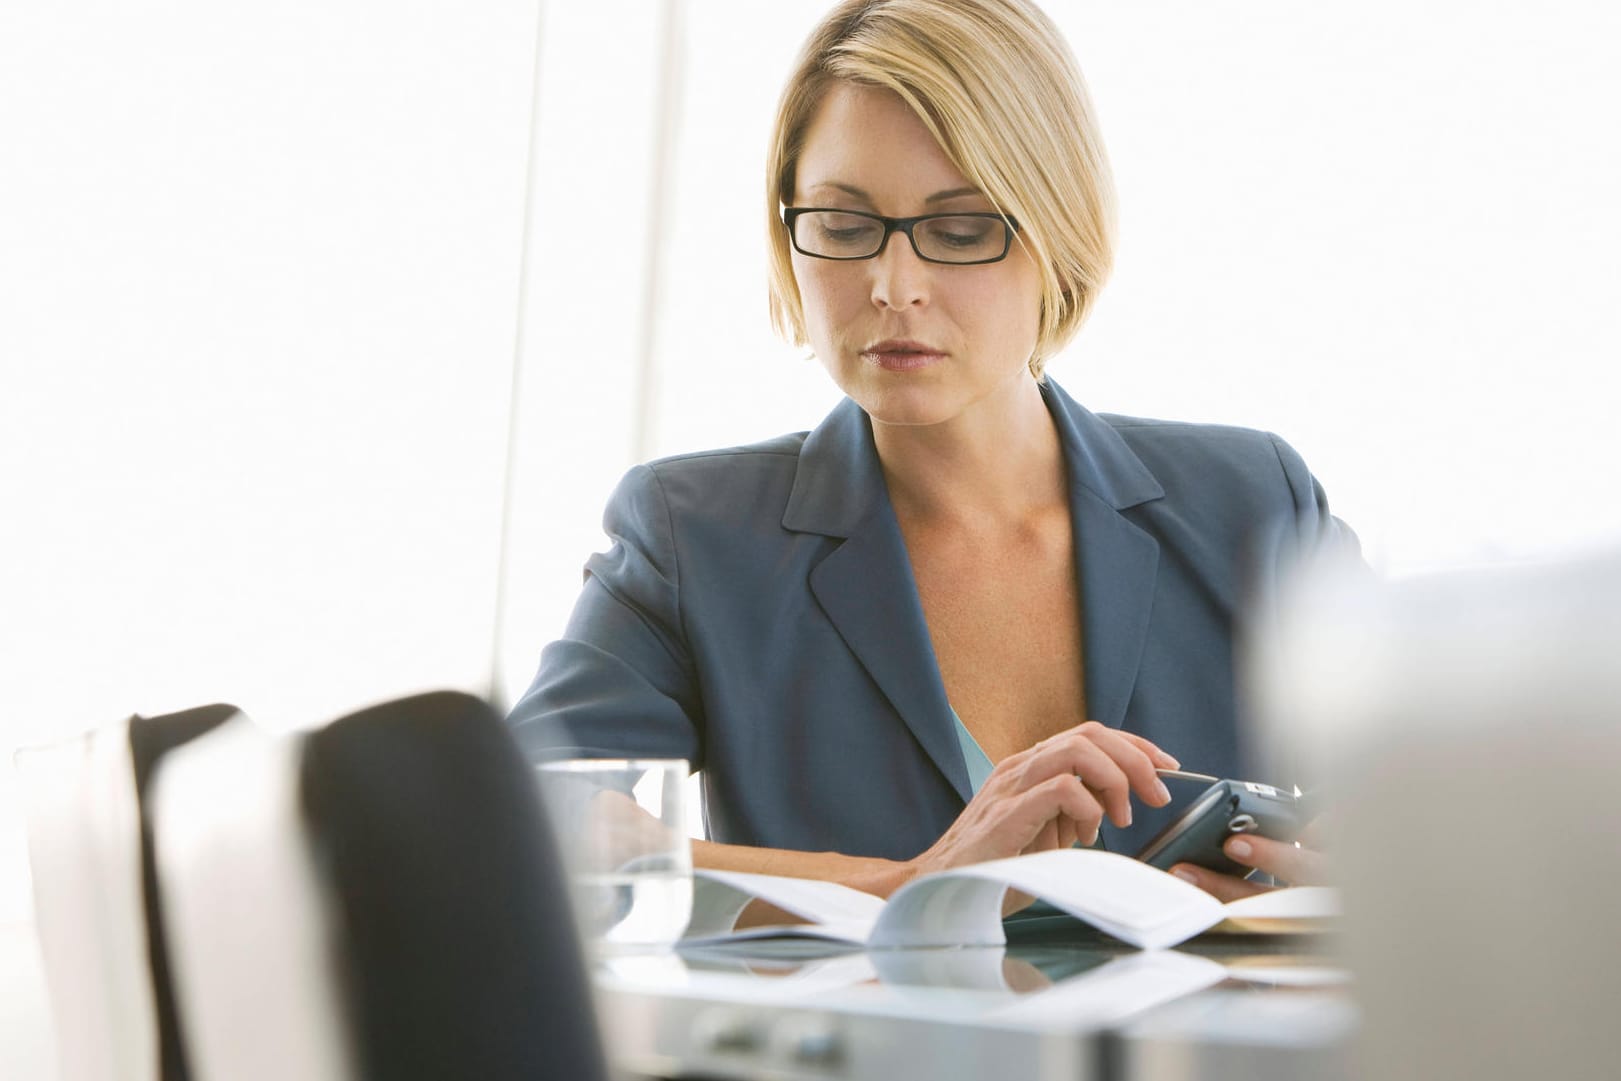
(899, 278)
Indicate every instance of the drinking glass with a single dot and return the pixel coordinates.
(621, 826)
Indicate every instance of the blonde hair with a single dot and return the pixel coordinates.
(998, 88)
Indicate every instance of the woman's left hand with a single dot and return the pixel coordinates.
(1297, 865)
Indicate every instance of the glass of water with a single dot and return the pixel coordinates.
(622, 827)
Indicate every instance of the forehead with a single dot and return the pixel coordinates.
(866, 138)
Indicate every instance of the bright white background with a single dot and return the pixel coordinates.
(262, 298)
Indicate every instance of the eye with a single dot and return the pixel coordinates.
(845, 228)
(963, 233)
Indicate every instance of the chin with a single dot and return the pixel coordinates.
(908, 406)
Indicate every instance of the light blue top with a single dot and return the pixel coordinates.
(973, 755)
(979, 767)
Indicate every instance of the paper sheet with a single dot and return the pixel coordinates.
(1120, 896)
(837, 912)
(1116, 894)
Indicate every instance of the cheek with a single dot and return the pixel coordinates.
(1000, 309)
(1017, 307)
(824, 292)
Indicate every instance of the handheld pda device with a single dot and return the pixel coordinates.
(1222, 810)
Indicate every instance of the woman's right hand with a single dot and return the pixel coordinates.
(1051, 796)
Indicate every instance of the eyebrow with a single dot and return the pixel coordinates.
(937, 197)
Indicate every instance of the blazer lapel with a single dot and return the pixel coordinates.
(865, 585)
(1117, 566)
(1116, 561)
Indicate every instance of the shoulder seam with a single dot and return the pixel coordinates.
(669, 531)
(1283, 466)
(722, 452)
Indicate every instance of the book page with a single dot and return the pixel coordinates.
(834, 911)
(1121, 896)
(1116, 894)
(1296, 910)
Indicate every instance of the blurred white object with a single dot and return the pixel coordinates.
(251, 940)
(1468, 729)
(84, 840)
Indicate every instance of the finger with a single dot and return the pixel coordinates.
(1075, 754)
(1065, 801)
(1068, 831)
(1055, 834)
(1132, 763)
(1046, 839)
(1013, 901)
(1136, 763)
(1162, 759)
(1221, 887)
(1293, 864)
(1029, 821)
(1111, 763)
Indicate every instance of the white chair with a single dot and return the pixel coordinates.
(250, 932)
(377, 898)
(100, 935)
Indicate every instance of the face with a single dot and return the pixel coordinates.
(913, 343)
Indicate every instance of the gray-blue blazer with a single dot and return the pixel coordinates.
(756, 614)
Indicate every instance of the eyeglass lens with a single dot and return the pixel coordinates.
(946, 239)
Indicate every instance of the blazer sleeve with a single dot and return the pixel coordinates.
(1315, 527)
(620, 682)
(1313, 530)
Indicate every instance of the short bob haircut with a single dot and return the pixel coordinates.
(998, 87)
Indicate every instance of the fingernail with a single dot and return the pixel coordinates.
(1164, 793)
(1239, 849)
(1185, 876)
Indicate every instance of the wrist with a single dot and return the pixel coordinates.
(881, 877)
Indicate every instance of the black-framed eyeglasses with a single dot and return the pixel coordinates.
(957, 239)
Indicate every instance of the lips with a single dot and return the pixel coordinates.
(898, 355)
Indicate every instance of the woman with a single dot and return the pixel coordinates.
(963, 618)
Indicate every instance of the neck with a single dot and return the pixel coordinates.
(999, 462)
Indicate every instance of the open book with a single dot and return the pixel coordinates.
(1131, 901)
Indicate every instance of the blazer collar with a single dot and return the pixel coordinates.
(1099, 460)
(840, 481)
(866, 587)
